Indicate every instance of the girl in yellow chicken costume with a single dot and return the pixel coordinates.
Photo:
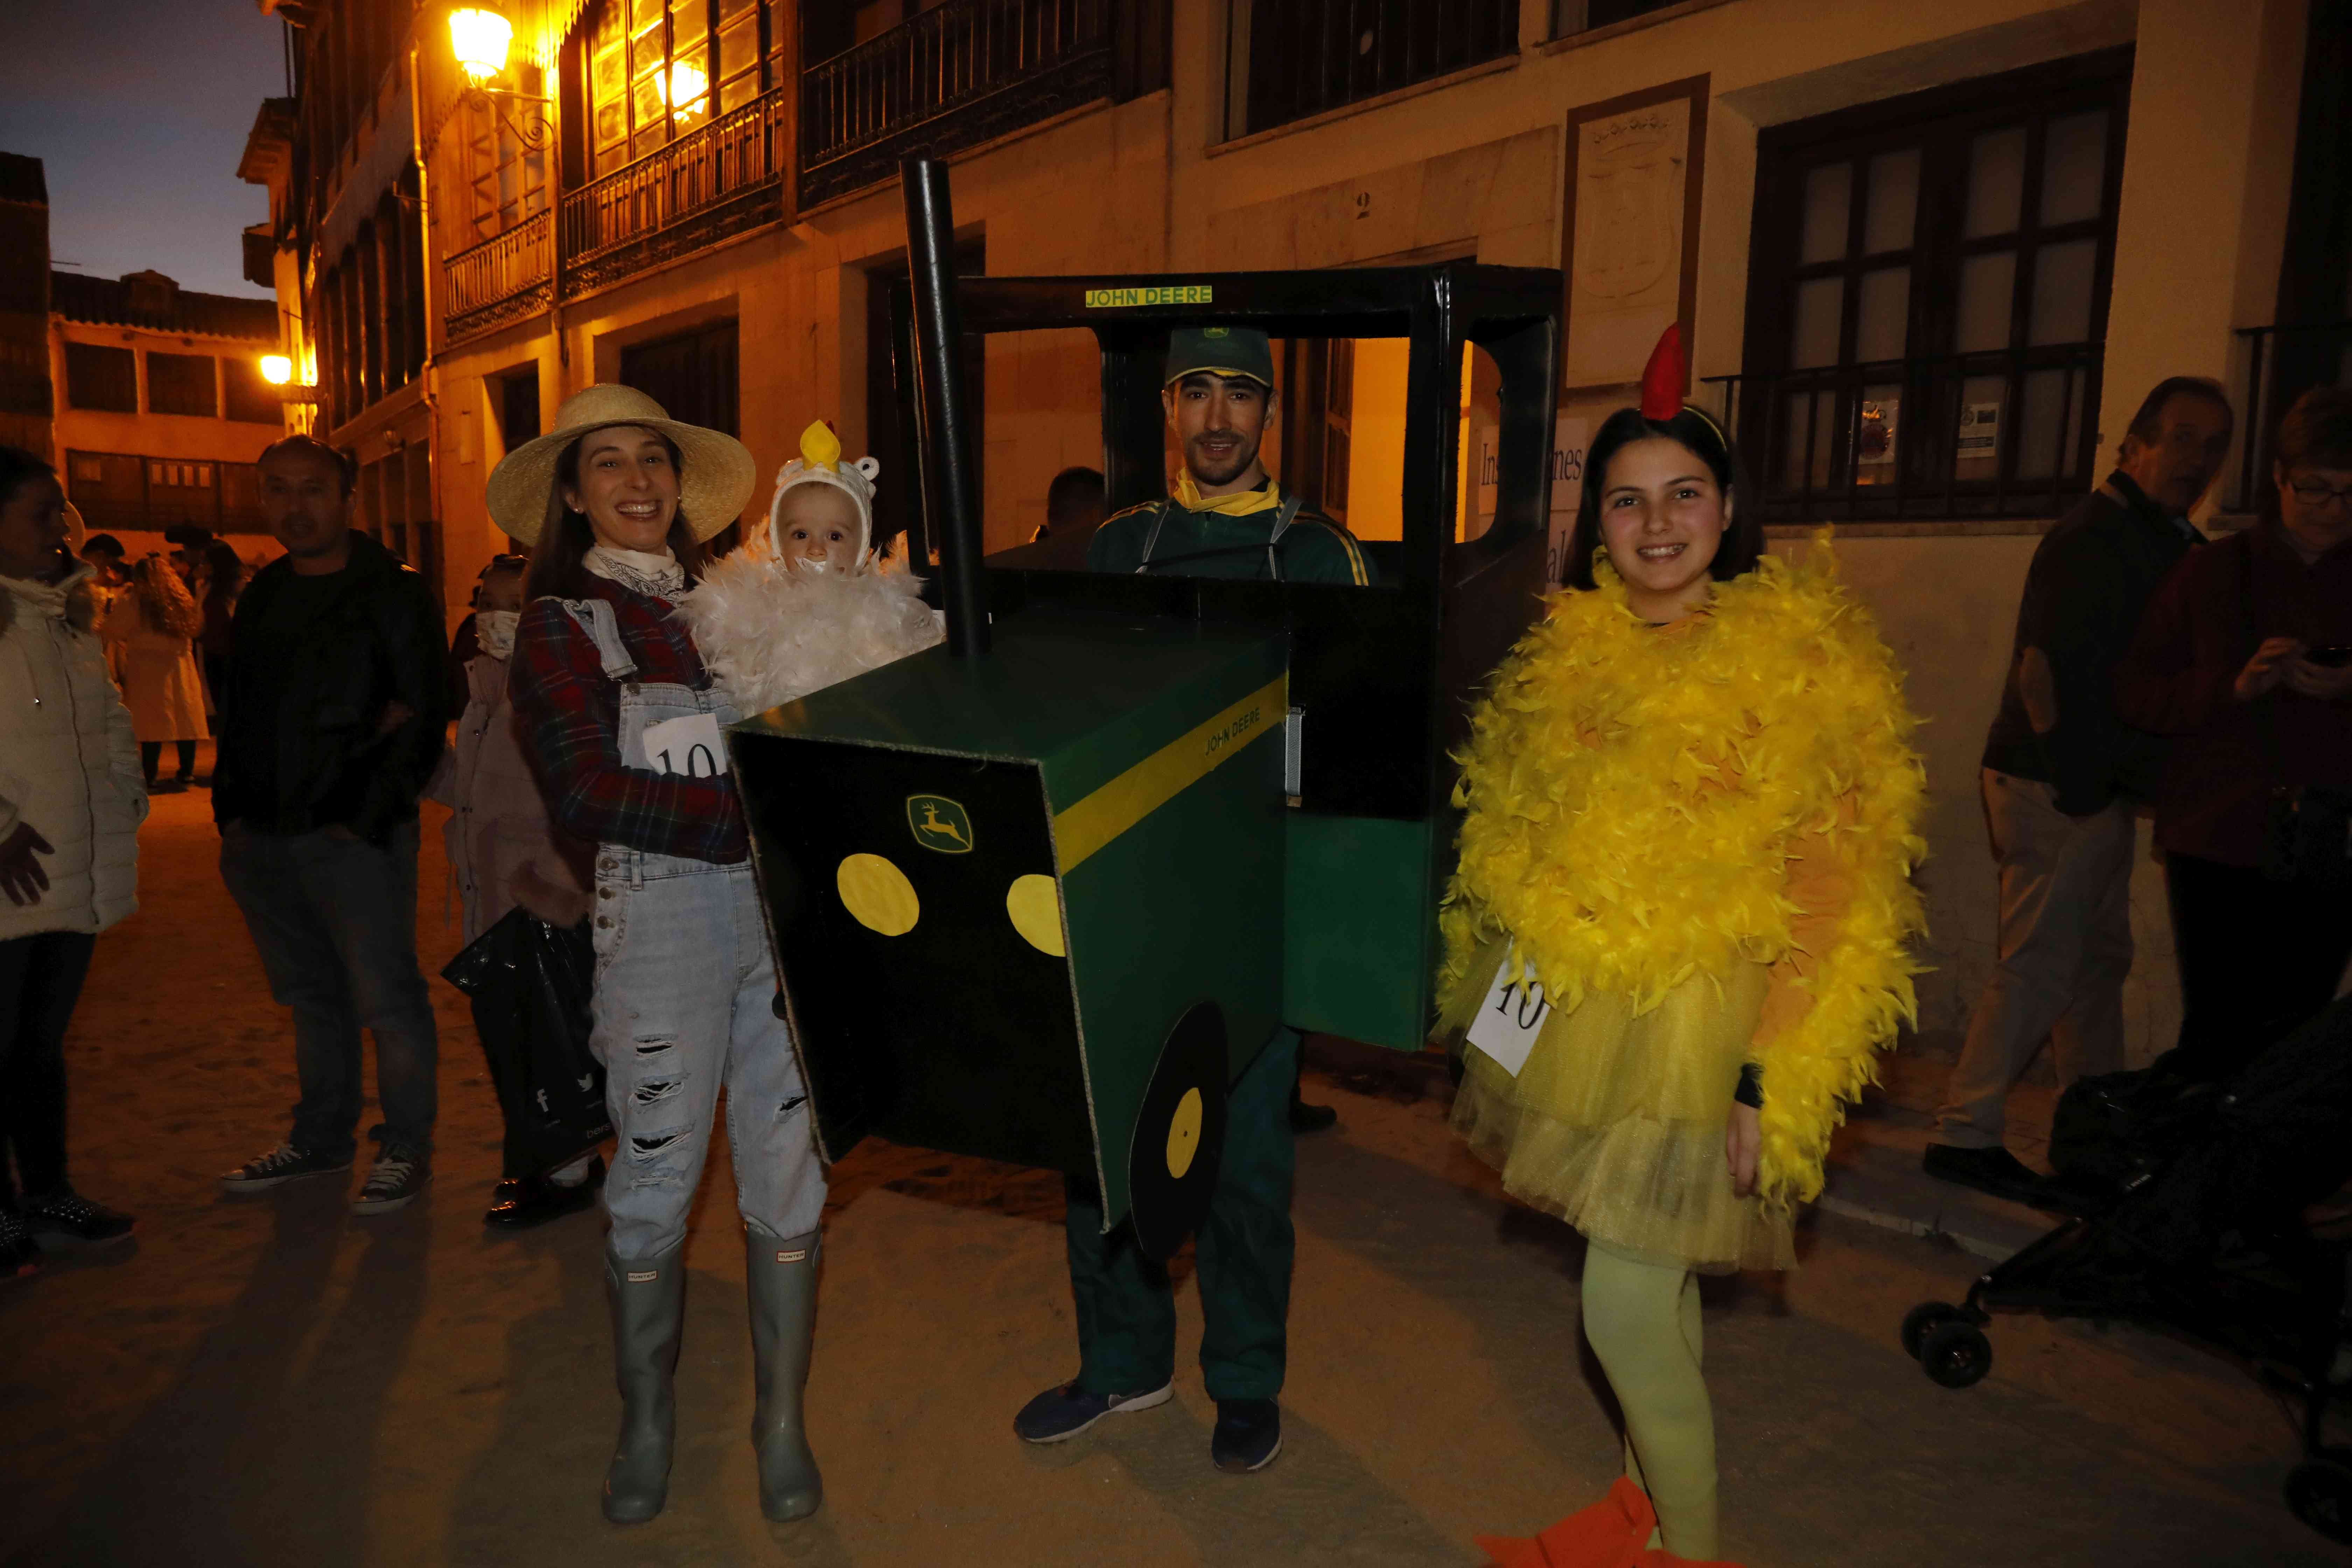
(1691, 805)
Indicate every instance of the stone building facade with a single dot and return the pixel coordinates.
(1927, 258)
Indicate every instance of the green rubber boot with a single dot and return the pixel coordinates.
(782, 1276)
(648, 1302)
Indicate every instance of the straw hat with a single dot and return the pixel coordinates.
(715, 477)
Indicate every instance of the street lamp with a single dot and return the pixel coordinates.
(276, 369)
(478, 36)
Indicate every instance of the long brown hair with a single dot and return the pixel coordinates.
(567, 537)
(163, 600)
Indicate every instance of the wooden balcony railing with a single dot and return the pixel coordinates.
(504, 278)
(722, 179)
(2006, 433)
(955, 76)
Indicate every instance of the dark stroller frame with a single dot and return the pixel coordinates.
(2213, 1306)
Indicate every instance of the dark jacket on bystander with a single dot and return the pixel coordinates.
(338, 699)
(2177, 679)
(2090, 580)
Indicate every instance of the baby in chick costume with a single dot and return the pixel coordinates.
(819, 603)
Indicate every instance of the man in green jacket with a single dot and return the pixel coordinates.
(1227, 518)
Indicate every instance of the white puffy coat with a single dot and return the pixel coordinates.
(69, 762)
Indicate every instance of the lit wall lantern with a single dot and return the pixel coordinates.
(276, 369)
(478, 36)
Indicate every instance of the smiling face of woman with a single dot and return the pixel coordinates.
(627, 488)
(1661, 519)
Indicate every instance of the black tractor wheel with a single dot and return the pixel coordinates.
(1922, 1318)
(2319, 1491)
(1956, 1353)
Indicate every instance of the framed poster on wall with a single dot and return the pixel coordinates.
(1630, 228)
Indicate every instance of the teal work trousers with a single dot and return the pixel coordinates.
(1126, 1310)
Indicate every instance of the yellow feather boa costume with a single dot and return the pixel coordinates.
(1637, 797)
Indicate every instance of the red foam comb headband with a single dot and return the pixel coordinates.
(1662, 378)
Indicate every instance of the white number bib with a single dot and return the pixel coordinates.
(1511, 1017)
(689, 746)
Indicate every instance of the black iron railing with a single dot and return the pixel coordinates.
(506, 278)
(1286, 59)
(2278, 365)
(992, 65)
(2002, 434)
(702, 187)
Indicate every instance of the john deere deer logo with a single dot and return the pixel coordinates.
(939, 823)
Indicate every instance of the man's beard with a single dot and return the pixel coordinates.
(1209, 470)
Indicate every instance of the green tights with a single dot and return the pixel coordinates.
(1643, 1321)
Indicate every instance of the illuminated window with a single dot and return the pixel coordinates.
(657, 69)
(508, 181)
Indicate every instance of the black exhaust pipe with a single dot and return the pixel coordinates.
(944, 429)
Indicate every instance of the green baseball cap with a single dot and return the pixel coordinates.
(1221, 350)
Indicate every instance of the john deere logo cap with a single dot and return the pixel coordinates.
(938, 823)
(1221, 350)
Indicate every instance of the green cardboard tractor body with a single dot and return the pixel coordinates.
(1239, 790)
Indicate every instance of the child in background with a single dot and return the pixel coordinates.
(814, 601)
(503, 851)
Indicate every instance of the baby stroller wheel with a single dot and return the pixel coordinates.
(1956, 1353)
(2319, 1491)
(1922, 1318)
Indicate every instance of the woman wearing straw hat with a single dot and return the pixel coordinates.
(623, 723)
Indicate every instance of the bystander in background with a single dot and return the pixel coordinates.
(505, 854)
(2064, 779)
(336, 718)
(70, 805)
(2246, 658)
(151, 636)
(220, 578)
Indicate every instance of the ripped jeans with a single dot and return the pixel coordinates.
(685, 1004)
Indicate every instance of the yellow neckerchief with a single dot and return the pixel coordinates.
(1241, 503)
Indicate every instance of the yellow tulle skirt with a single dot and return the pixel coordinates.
(1616, 1122)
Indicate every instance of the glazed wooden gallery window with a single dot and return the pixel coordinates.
(100, 378)
(506, 181)
(181, 384)
(247, 397)
(657, 69)
(1929, 283)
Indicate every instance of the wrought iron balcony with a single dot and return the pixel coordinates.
(2279, 365)
(505, 278)
(1998, 433)
(954, 77)
(702, 188)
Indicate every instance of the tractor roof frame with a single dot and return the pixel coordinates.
(1365, 661)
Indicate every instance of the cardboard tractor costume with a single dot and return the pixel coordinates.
(1060, 894)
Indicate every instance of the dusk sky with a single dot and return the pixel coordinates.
(139, 109)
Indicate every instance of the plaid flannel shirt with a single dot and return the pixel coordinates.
(571, 710)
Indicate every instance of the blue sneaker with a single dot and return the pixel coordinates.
(1248, 1434)
(1064, 1412)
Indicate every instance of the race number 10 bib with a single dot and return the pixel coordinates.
(1511, 1017)
(689, 747)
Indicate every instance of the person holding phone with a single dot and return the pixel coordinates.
(2246, 658)
(622, 719)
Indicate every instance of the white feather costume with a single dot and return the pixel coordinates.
(769, 634)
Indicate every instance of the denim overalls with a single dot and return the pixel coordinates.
(685, 1002)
